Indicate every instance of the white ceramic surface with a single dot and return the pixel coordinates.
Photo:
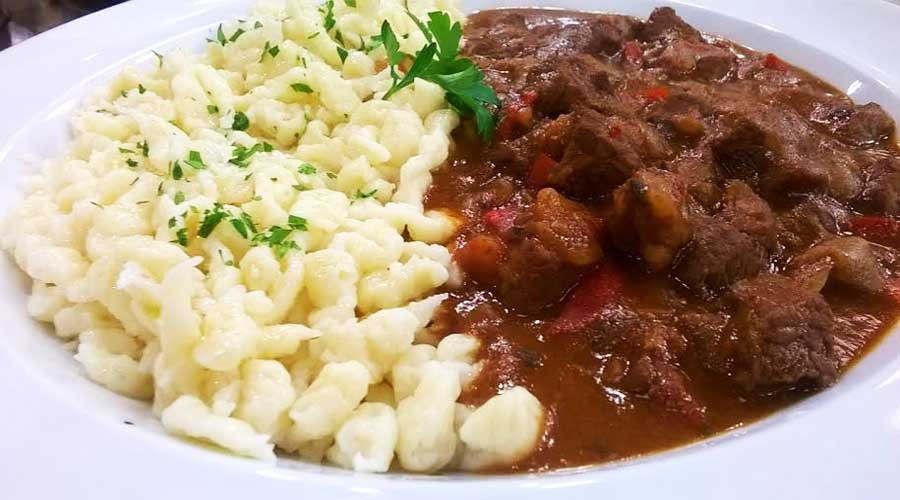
(63, 437)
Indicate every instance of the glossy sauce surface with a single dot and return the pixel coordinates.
(595, 413)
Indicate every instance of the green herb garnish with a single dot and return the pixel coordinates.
(270, 49)
(131, 163)
(342, 53)
(220, 36)
(237, 34)
(241, 155)
(439, 62)
(360, 195)
(179, 197)
(145, 149)
(241, 122)
(195, 160)
(177, 172)
(302, 87)
(141, 89)
(306, 169)
(212, 109)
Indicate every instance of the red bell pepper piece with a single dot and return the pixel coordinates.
(587, 301)
(500, 219)
(540, 170)
(771, 61)
(655, 94)
(881, 230)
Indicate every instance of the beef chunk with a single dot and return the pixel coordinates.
(749, 213)
(578, 80)
(881, 188)
(601, 152)
(851, 262)
(778, 151)
(664, 24)
(649, 217)
(523, 283)
(865, 125)
(566, 227)
(783, 335)
(698, 172)
(610, 33)
(682, 59)
(718, 255)
(810, 222)
(651, 350)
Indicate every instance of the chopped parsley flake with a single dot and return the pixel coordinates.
(241, 122)
(126, 151)
(145, 150)
(195, 160)
(241, 155)
(306, 169)
(297, 223)
(342, 53)
(329, 20)
(257, 25)
(301, 87)
(131, 163)
(220, 36)
(237, 34)
(361, 195)
(159, 58)
(270, 49)
(177, 172)
(350, 3)
(211, 219)
(179, 197)
(212, 109)
(182, 237)
(310, 37)
(141, 89)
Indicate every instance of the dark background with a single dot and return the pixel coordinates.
(20, 19)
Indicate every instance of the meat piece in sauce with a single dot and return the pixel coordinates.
(683, 59)
(649, 217)
(601, 152)
(567, 227)
(664, 24)
(865, 125)
(783, 335)
(881, 188)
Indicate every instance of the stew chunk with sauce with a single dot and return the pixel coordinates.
(669, 235)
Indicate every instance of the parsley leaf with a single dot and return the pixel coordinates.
(182, 236)
(127, 151)
(350, 3)
(177, 172)
(179, 197)
(241, 155)
(342, 53)
(297, 223)
(195, 160)
(211, 219)
(145, 149)
(329, 20)
(361, 195)
(220, 36)
(306, 169)
(131, 163)
(212, 109)
(257, 25)
(159, 57)
(270, 49)
(302, 87)
(241, 122)
(237, 34)
(439, 62)
(141, 89)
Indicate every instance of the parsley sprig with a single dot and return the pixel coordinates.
(439, 62)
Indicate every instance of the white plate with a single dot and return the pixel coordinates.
(63, 437)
